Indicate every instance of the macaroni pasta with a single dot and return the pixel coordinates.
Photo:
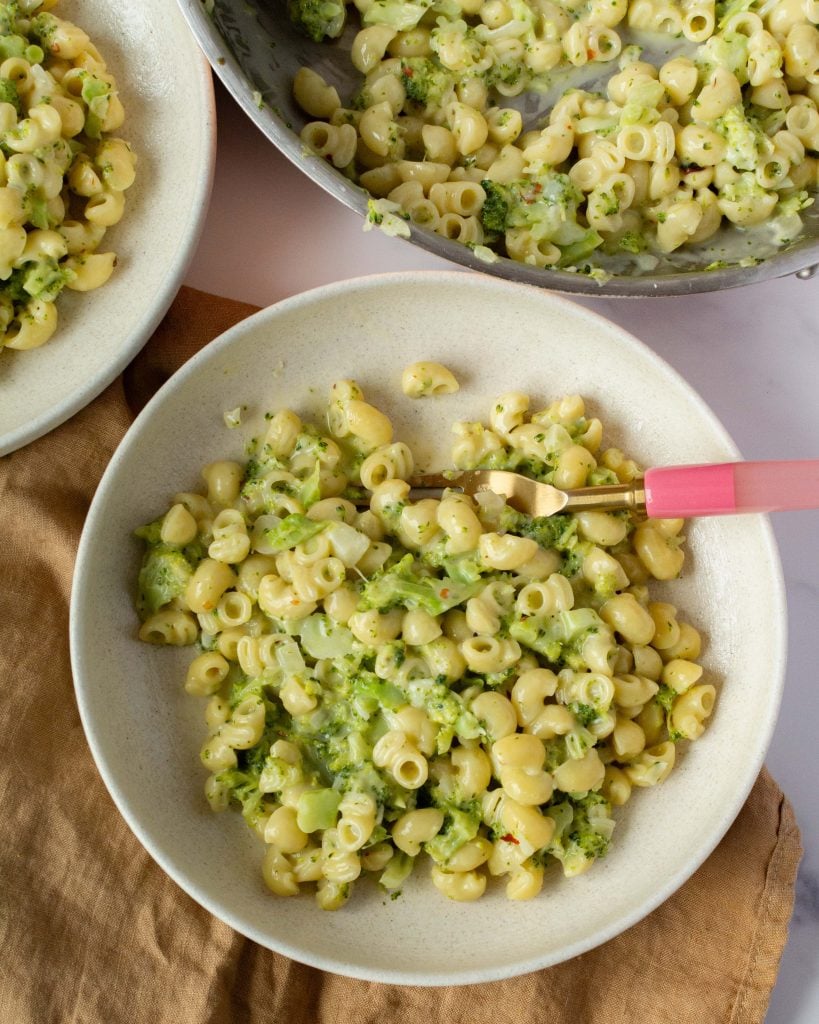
(63, 173)
(385, 678)
(648, 158)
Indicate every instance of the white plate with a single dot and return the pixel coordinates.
(145, 732)
(166, 88)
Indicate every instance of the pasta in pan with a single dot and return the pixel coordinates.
(386, 678)
(666, 120)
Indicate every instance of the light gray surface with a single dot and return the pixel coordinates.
(753, 354)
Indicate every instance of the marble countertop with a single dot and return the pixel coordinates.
(752, 353)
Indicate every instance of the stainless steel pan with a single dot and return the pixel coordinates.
(253, 49)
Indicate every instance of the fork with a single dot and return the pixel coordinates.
(666, 492)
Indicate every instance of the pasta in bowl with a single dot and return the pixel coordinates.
(110, 54)
(440, 675)
(65, 172)
(438, 737)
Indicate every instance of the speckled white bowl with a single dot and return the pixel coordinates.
(145, 732)
(166, 88)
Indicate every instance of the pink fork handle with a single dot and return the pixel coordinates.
(731, 487)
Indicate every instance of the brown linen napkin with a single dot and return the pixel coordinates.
(93, 932)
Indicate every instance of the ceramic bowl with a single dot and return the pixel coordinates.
(167, 92)
(145, 732)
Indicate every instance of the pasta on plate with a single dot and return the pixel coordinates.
(386, 677)
(63, 174)
(666, 120)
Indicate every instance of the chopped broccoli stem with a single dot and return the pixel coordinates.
(292, 530)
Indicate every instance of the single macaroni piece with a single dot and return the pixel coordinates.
(442, 680)
(633, 162)
(64, 173)
(422, 379)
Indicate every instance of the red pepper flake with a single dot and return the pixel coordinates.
(590, 54)
(445, 592)
(509, 838)
(407, 72)
(533, 193)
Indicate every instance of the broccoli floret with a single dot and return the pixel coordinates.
(96, 94)
(45, 278)
(580, 842)
(151, 533)
(164, 575)
(549, 200)
(561, 637)
(495, 209)
(310, 490)
(318, 19)
(590, 844)
(665, 697)
(9, 94)
(580, 248)
(243, 787)
(558, 531)
(793, 204)
(747, 193)
(460, 826)
(726, 50)
(277, 774)
(402, 586)
(292, 530)
(389, 217)
(426, 81)
(446, 708)
(397, 871)
(632, 242)
(745, 142)
(584, 713)
(546, 206)
(517, 461)
(242, 687)
(371, 694)
(464, 568)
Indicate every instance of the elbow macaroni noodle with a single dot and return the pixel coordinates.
(63, 174)
(482, 691)
(651, 157)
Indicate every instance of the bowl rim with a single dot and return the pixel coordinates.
(802, 260)
(141, 331)
(84, 567)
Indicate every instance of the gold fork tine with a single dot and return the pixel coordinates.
(531, 496)
(520, 492)
(523, 494)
